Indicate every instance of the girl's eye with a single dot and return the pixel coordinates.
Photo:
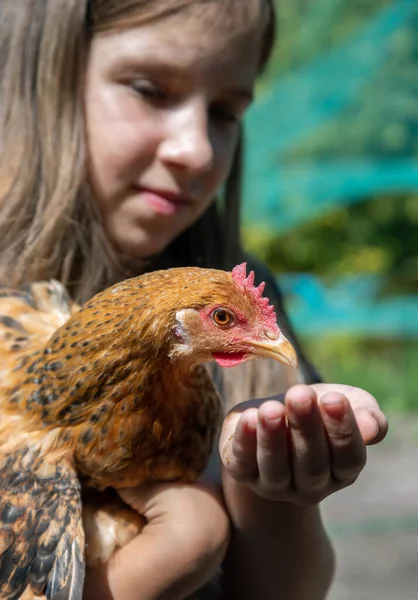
(223, 317)
(149, 90)
(224, 114)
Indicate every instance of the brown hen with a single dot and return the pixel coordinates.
(111, 395)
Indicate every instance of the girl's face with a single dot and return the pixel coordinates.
(163, 106)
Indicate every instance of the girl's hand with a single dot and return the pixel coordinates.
(305, 448)
(179, 549)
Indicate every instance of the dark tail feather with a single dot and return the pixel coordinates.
(41, 533)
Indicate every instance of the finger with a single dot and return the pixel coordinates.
(233, 416)
(373, 425)
(272, 446)
(310, 454)
(239, 452)
(348, 451)
(357, 397)
(360, 401)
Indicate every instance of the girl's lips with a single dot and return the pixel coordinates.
(164, 202)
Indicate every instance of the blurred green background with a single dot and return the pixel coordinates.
(331, 190)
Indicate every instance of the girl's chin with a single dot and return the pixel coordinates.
(140, 246)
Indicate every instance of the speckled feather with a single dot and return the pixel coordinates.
(41, 534)
(97, 392)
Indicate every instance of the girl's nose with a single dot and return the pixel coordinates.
(187, 145)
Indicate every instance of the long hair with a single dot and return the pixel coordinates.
(49, 223)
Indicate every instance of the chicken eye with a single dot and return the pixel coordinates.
(222, 317)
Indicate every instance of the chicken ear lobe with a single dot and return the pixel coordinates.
(41, 534)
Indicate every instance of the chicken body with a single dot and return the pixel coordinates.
(115, 395)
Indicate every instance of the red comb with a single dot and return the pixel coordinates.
(239, 275)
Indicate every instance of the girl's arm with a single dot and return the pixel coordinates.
(179, 549)
(278, 549)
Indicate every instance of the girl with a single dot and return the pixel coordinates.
(120, 122)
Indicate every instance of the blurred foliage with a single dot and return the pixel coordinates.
(307, 28)
(378, 235)
(382, 122)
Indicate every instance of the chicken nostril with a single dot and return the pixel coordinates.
(271, 335)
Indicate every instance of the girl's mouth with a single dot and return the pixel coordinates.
(164, 202)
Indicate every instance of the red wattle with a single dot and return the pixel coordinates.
(232, 359)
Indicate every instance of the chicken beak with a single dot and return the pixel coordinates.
(280, 349)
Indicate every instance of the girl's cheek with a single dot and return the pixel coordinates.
(132, 147)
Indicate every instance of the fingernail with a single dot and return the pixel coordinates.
(251, 426)
(271, 415)
(334, 407)
(376, 427)
(302, 406)
(370, 427)
(272, 423)
(250, 418)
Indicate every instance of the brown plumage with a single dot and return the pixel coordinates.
(111, 395)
